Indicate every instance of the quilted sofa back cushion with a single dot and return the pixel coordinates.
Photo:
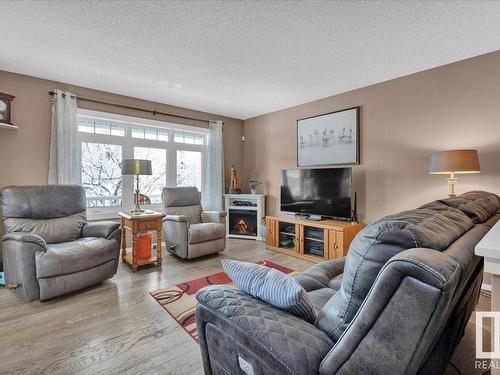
(435, 227)
(56, 213)
(478, 205)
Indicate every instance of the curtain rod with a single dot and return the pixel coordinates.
(51, 93)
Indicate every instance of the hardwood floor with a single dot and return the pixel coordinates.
(115, 327)
(118, 328)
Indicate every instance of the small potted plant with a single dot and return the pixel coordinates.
(253, 183)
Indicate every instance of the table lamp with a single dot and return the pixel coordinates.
(137, 167)
(454, 162)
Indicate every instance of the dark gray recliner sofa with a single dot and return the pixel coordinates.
(49, 248)
(398, 303)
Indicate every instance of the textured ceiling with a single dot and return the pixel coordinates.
(239, 59)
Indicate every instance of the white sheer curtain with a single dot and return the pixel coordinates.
(213, 186)
(64, 163)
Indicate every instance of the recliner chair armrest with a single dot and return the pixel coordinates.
(269, 339)
(179, 218)
(25, 238)
(19, 250)
(319, 275)
(100, 229)
(213, 217)
(405, 307)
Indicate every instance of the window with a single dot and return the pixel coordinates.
(189, 168)
(151, 186)
(101, 174)
(176, 153)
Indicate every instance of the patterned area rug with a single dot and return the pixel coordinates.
(180, 302)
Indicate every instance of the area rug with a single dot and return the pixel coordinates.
(180, 302)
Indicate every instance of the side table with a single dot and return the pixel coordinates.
(146, 222)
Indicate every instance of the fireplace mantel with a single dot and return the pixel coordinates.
(245, 213)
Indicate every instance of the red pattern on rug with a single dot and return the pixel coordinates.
(180, 302)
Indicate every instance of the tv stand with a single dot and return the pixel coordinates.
(314, 241)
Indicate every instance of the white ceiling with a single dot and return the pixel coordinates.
(239, 59)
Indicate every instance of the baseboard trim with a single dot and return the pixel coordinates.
(486, 287)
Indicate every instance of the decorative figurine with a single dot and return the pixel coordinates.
(234, 189)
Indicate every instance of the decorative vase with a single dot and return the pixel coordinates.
(254, 191)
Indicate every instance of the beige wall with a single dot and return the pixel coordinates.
(24, 154)
(402, 122)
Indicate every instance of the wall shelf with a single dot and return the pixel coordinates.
(8, 126)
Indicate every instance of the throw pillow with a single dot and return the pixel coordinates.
(271, 286)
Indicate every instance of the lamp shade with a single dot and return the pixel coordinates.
(454, 161)
(136, 167)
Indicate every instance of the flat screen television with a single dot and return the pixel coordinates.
(317, 192)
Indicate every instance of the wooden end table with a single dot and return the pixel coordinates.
(146, 222)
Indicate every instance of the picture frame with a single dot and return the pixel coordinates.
(329, 139)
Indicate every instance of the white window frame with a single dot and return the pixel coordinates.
(128, 143)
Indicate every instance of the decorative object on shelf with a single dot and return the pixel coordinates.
(332, 138)
(252, 184)
(6, 108)
(137, 167)
(454, 162)
(234, 189)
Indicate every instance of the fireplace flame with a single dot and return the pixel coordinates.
(242, 226)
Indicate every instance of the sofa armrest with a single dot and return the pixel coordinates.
(411, 295)
(319, 275)
(103, 229)
(232, 325)
(19, 250)
(213, 217)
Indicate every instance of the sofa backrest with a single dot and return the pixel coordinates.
(183, 201)
(57, 213)
(436, 226)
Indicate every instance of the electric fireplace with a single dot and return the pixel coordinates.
(243, 222)
(245, 214)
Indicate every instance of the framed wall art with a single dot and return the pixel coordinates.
(329, 139)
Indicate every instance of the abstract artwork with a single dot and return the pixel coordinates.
(328, 139)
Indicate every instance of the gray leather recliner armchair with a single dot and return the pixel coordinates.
(189, 231)
(49, 248)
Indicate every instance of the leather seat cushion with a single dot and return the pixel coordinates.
(70, 257)
(206, 232)
(434, 227)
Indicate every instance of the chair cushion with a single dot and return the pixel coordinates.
(206, 232)
(193, 213)
(70, 257)
(55, 230)
(271, 286)
(319, 297)
(434, 227)
(478, 205)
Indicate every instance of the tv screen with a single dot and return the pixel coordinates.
(325, 192)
